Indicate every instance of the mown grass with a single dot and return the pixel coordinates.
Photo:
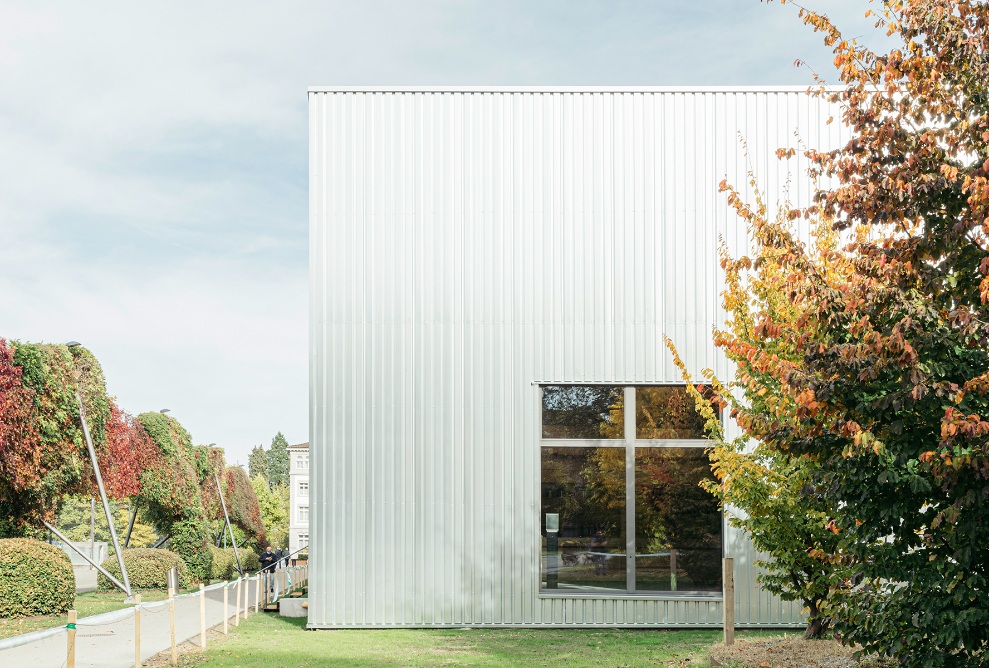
(268, 640)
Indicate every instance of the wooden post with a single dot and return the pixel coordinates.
(171, 624)
(257, 595)
(70, 653)
(237, 603)
(202, 615)
(226, 613)
(247, 597)
(673, 569)
(729, 600)
(137, 631)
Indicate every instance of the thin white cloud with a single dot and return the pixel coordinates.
(153, 163)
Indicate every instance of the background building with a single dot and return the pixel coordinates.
(298, 523)
(500, 437)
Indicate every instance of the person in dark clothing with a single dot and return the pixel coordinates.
(269, 561)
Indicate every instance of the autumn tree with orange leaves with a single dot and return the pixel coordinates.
(887, 394)
(768, 490)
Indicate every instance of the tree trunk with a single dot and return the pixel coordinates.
(817, 625)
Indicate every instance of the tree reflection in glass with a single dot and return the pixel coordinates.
(582, 411)
(667, 412)
(677, 523)
(586, 487)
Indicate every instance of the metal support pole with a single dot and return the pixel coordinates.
(99, 483)
(230, 528)
(130, 525)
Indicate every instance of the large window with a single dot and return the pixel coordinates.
(622, 508)
(303, 513)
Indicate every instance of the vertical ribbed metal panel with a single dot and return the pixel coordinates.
(466, 245)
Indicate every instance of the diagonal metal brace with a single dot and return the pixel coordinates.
(229, 528)
(106, 504)
(82, 554)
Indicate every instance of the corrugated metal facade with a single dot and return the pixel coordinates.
(467, 245)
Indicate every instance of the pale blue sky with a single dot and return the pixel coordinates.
(153, 161)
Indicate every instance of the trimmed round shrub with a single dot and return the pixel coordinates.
(35, 578)
(222, 563)
(250, 561)
(147, 568)
(225, 562)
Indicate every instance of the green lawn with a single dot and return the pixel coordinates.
(88, 604)
(268, 640)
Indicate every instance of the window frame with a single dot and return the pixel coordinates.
(631, 444)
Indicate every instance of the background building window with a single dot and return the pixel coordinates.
(304, 487)
(604, 499)
(303, 513)
(303, 541)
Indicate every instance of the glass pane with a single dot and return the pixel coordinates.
(583, 498)
(667, 412)
(583, 411)
(677, 524)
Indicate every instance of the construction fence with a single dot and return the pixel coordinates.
(130, 636)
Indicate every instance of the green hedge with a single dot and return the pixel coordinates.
(35, 578)
(191, 540)
(250, 561)
(225, 562)
(147, 568)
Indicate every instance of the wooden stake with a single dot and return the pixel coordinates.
(137, 631)
(171, 625)
(257, 595)
(70, 654)
(729, 600)
(202, 615)
(226, 604)
(237, 604)
(247, 597)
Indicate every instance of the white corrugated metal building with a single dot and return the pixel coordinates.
(498, 435)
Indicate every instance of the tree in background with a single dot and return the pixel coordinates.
(20, 442)
(147, 463)
(278, 461)
(48, 462)
(172, 495)
(257, 463)
(74, 522)
(273, 503)
(244, 506)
